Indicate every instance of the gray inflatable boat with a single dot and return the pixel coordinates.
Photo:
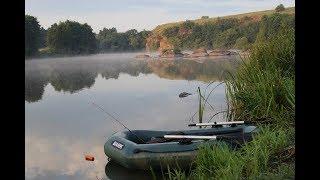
(145, 149)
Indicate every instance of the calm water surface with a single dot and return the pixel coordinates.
(62, 125)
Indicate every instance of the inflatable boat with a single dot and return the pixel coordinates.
(145, 149)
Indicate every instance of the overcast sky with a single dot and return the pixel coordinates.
(139, 14)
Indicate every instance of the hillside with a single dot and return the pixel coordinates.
(159, 38)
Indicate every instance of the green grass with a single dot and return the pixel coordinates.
(261, 91)
(258, 159)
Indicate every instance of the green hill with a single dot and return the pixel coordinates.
(255, 15)
(179, 34)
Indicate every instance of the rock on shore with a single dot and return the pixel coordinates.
(221, 53)
(201, 52)
(169, 53)
(142, 56)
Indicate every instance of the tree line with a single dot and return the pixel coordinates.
(227, 33)
(71, 37)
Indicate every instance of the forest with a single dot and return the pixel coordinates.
(73, 38)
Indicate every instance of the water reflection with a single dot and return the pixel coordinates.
(72, 79)
(116, 172)
(35, 81)
(74, 76)
(61, 126)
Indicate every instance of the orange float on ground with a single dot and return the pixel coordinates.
(89, 158)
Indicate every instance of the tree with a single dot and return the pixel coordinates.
(111, 40)
(43, 36)
(188, 24)
(71, 37)
(242, 43)
(32, 35)
(106, 38)
(227, 38)
(171, 31)
(143, 37)
(133, 38)
(205, 17)
(280, 8)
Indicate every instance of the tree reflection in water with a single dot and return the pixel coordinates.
(74, 76)
(72, 80)
(35, 81)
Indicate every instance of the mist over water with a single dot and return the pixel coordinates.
(62, 126)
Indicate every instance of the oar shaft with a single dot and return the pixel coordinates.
(217, 123)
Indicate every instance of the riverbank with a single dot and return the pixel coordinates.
(198, 55)
(261, 91)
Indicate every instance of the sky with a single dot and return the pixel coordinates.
(139, 14)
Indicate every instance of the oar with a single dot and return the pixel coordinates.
(218, 137)
(219, 123)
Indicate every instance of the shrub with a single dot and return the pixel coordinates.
(242, 43)
(280, 8)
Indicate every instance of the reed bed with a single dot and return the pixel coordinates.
(263, 89)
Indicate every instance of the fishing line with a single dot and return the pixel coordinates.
(114, 118)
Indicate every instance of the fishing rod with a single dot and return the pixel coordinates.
(110, 115)
(103, 110)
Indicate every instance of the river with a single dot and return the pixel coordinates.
(61, 125)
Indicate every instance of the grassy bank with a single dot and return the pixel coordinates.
(268, 156)
(261, 91)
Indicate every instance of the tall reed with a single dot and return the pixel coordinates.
(263, 88)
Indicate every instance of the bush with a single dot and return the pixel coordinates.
(176, 51)
(242, 43)
(280, 8)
